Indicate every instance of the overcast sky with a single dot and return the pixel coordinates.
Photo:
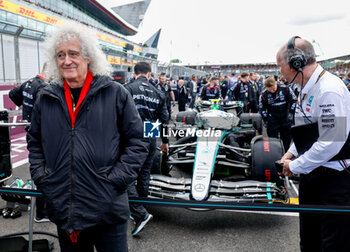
(244, 31)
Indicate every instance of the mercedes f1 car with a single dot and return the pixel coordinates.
(219, 157)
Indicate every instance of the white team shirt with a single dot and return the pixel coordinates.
(327, 102)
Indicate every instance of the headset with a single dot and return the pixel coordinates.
(297, 61)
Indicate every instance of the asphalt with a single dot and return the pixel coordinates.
(179, 229)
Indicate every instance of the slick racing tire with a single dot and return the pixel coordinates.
(186, 117)
(254, 119)
(160, 165)
(265, 152)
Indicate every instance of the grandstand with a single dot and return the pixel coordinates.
(24, 24)
(337, 65)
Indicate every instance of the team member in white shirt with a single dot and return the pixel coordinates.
(324, 99)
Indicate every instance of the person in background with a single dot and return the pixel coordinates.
(150, 103)
(224, 83)
(233, 80)
(240, 91)
(164, 87)
(192, 88)
(260, 83)
(153, 80)
(253, 94)
(211, 90)
(85, 144)
(347, 81)
(277, 106)
(25, 94)
(182, 95)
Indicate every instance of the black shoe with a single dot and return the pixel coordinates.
(141, 224)
(15, 214)
(41, 219)
(6, 212)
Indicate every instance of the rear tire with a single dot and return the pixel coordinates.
(254, 119)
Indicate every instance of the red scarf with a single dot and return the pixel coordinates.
(83, 93)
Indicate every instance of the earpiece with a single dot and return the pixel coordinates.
(297, 61)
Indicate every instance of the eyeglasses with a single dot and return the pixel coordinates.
(71, 54)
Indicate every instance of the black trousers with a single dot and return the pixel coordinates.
(275, 127)
(108, 238)
(193, 99)
(325, 232)
(182, 105)
(253, 107)
(169, 110)
(140, 188)
(41, 208)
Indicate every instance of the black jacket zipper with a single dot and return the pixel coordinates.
(72, 184)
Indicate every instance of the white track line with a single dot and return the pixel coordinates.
(19, 163)
(263, 212)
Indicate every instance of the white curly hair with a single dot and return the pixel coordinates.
(88, 45)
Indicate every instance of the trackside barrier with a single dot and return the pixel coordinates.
(210, 204)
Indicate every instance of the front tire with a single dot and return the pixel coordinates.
(265, 152)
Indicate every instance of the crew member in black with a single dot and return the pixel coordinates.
(182, 95)
(240, 91)
(151, 106)
(166, 89)
(25, 95)
(253, 94)
(210, 91)
(276, 106)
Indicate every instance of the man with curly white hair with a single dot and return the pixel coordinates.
(85, 144)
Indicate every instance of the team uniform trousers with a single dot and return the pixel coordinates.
(139, 188)
(107, 238)
(281, 127)
(168, 107)
(253, 107)
(182, 106)
(325, 232)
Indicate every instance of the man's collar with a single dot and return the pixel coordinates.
(312, 79)
(141, 77)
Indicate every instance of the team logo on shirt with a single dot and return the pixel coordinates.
(310, 99)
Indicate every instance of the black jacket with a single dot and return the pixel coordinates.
(182, 94)
(166, 90)
(149, 101)
(253, 95)
(83, 172)
(25, 95)
(239, 91)
(208, 92)
(279, 105)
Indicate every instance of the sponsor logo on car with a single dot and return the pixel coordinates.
(199, 187)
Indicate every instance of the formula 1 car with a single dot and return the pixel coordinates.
(218, 157)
